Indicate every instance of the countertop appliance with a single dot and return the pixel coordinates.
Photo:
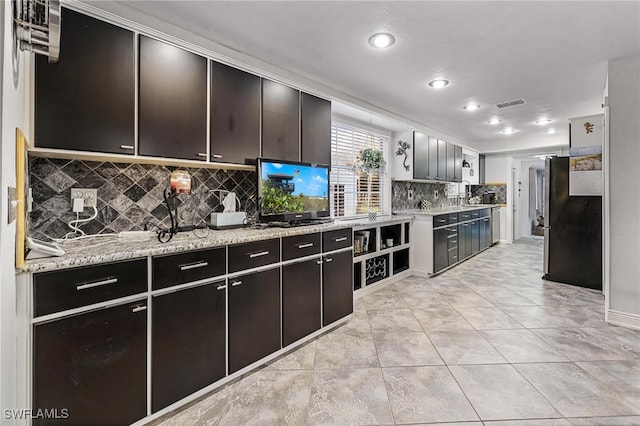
(489, 197)
(572, 231)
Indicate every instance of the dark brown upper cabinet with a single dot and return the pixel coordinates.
(420, 156)
(451, 162)
(316, 130)
(235, 115)
(457, 170)
(172, 105)
(86, 101)
(442, 160)
(280, 121)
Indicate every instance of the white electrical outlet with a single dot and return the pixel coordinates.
(89, 195)
(409, 194)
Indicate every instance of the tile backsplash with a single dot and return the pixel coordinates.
(130, 196)
(500, 190)
(421, 191)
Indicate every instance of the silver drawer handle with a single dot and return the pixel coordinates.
(139, 308)
(454, 241)
(235, 283)
(126, 146)
(465, 225)
(221, 287)
(452, 236)
(216, 155)
(328, 260)
(442, 220)
(97, 283)
(338, 240)
(301, 246)
(202, 154)
(454, 257)
(258, 254)
(194, 266)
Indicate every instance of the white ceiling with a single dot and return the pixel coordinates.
(552, 54)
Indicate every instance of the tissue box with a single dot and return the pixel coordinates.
(228, 220)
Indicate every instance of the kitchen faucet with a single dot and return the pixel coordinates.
(467, 195)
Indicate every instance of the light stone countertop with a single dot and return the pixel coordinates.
(445, 210)
(96, 250)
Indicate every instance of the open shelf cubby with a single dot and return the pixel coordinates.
(381, 251)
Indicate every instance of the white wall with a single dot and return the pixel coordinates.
(496, 169)
(14, 87)
(624, 190)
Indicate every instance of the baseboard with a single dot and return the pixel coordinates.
(624, 319)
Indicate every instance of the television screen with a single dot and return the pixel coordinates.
(292, 191)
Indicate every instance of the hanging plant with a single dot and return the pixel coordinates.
(370, 161)
(402, 150)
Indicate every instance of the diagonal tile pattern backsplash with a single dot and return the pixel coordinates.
(130, 196)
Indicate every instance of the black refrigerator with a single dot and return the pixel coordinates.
(572, 232)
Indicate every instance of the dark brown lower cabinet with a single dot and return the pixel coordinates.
(475, 236)
(254, 317)
(337, 286)
(440, 249)
(188, 341)
(93, 365)
(300, 300)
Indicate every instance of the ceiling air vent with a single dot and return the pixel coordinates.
(37, 25)
(508, 104)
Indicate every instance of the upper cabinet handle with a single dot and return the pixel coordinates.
(193, 266)
(202, 154)
(337, 240)
(97, 283)
(216, 155)
(221, 287)
(126, 146)
(258, 254)
(301, 246)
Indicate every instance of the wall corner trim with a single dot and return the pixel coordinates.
(624, 319)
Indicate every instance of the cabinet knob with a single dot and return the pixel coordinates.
(221, 287)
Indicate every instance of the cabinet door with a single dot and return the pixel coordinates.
(316, 130)
(280, 121)
(457, 166)
(464, 241)
(172, 105)
(254, 317)
(433, 158)
(451, 162)
(188, 341)
(86, 101)
(300, 300)
(94, 365)
(475, 236)
(481, 169)
(337, 286)
(485, 233)
(440, 249)
(235, 115)
(420, 156)
(442, 160)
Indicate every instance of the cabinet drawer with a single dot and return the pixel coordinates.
(484, 213)
(174, 269)
(464, 216)
(73, 288)
(440, 220)
(300, 246)
(475, 214)
(452, 218)
(334, 240)
(252, 255)
(453, 255)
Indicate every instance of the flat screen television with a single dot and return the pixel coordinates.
(291, 191)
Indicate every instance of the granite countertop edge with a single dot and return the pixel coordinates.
(99, 250)
(439, 211)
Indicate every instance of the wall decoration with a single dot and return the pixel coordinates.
(588, 127)
(585, 170)
(402, 150)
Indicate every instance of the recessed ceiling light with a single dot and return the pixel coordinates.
(382, 40)
(494, 121)
(508, 131)
(471, 107)
(551, 131)
(543, 121)
(437, 84)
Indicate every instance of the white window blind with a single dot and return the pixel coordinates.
(352, 191)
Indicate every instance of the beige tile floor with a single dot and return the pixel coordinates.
(487, 342)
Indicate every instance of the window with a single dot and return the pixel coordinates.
(353, 192)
